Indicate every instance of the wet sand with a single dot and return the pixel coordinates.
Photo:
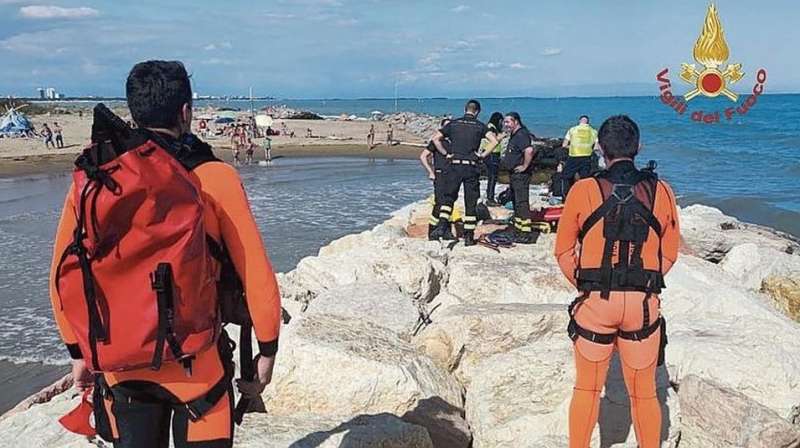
(61, 162)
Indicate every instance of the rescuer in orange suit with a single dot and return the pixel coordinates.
(617, 237)
(143, 403)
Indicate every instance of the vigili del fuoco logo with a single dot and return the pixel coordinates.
(711, 78)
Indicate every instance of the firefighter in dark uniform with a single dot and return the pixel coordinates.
(465, 135)
(437, 173)
(518, 159)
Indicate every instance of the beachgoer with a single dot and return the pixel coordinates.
(465, 136)
(58, 133)
(581, 140)
(309, 134)
(437, 174)
(203, 126)
(518, 160)
(193, 395)
(371, 137)
(47, 135)
(268, 149)
(625, 222)
(248, 154)
(492, 155)
(390, 135)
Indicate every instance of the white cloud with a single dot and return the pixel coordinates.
(278, 16)
(57, 12)
(222, 45)
(518, 66)
(347, 22)
(460, 8)
(218, 61)
(430, 58)
(488, 64)
(550, 51)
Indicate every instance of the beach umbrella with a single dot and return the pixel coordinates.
(263, 121)
(224, 120)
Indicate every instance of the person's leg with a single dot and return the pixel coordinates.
(472, 192)
(450, 183)
(522, 208)
(584, 409)
(213, 430)
(639, 362)
(491, 174)
(437, 203)
(584, 168)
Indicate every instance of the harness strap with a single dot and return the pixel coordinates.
(161, 282)
(247, 369)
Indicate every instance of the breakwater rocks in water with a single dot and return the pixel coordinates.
(493, 367)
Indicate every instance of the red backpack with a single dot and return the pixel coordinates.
(138, 282)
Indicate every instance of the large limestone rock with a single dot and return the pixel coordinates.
(523, 274)
(415, 266)
(722, 332)
(380, 304)
(341, 367)
(710, 234)
(365, 431)
(716, 417)
(463, 336)
(750, 264)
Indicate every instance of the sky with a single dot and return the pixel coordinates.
(374, 48)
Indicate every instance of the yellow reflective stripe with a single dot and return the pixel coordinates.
(446, 208)
(469, 226)
(470, 219)
(444, 215)
(433, 220)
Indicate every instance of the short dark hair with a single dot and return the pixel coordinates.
(515, 116)
(473, 106)
(583, 116)
(619, 137)
(156, 91)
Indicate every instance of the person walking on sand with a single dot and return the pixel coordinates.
(47, 135)
(155, 361)
(617, 238)
(59, 137)
(580, 140)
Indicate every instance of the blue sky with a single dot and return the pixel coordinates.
(362, 48)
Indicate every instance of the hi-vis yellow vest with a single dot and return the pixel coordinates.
(581, 140)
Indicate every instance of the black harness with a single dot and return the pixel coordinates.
(627, 214)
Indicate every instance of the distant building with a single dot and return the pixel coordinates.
(41, 93)
(50, 93)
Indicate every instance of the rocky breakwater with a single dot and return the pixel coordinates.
(400, 342)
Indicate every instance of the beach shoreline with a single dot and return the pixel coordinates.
(61, 162)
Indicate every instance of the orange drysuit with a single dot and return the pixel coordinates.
(228, 219)
(622, 311)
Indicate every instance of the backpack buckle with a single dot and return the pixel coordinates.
(623, 192)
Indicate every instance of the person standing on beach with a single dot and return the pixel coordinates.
(518, 160)
(390, 135)
(59, 138)
(192, 394)
(47, 135)
(581, 140)
(437, 174)
(465, 135)
(371, 137)
(617, 238)
(492, 156)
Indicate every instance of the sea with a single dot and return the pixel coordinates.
(747, 166)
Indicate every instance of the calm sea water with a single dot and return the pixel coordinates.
(748, 166)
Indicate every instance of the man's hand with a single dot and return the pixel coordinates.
(252, 389)
(82, 378)
(431, 176)
(520, 169)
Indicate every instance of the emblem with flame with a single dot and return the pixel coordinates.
(711, 51)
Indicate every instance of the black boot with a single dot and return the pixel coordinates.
(525, 237)
(469, 238)
(441, 231)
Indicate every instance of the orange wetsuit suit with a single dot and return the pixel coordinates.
(622, 311)
(146, 421)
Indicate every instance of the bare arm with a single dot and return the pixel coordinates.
(424, 158)
(437, 141)
(528, 154)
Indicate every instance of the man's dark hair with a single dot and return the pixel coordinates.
(583, 116)
(473, 106)
(515, 116)
(443, 122)
(156, 91)
(619, 137)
